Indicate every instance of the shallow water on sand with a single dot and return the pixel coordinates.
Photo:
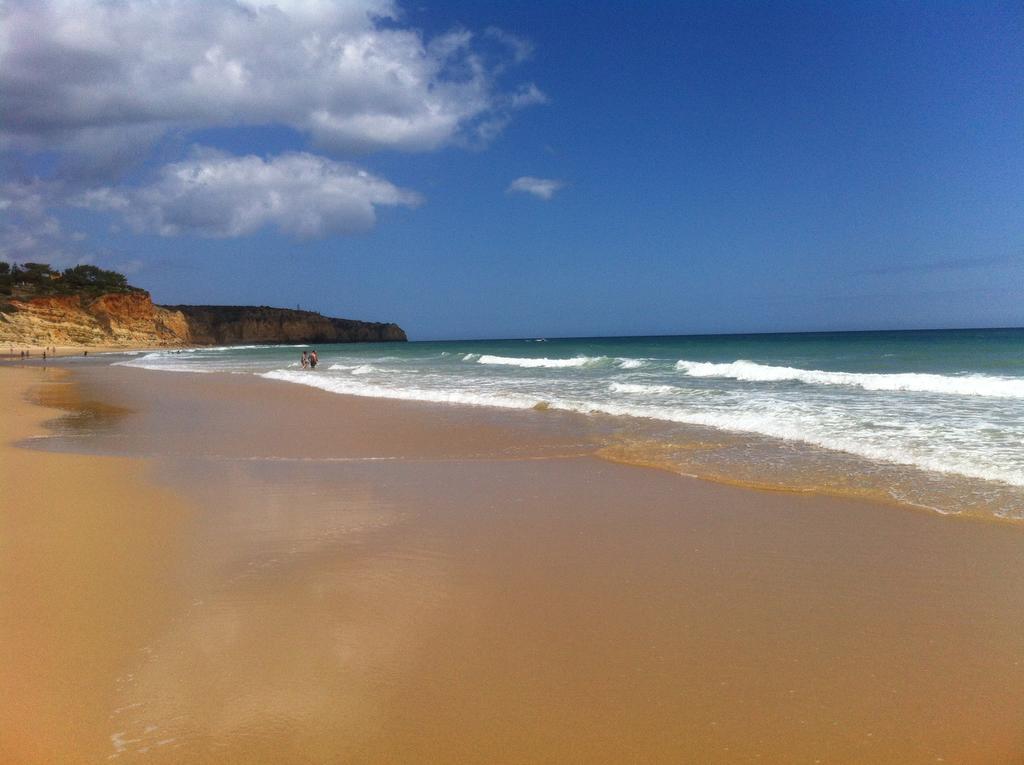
(930, 418)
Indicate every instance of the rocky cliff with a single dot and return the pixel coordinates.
(128, 319)
(118, 319)
(230, 324)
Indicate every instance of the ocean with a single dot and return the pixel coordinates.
(933, 419)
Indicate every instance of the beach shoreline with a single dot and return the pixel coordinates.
(469, 586)
(11, 352)
(928, 422)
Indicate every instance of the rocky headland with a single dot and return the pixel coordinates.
(230, 324)
(92, 307)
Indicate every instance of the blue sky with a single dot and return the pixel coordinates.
(711, 167)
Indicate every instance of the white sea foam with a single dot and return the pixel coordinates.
(657, 390)
(630, 363)
(348, 387)
(767, 417)
(578, 361)
(355, 369)
(171, 368)
(165, 362)
(789, 422)
(964, 385)
(223, 348)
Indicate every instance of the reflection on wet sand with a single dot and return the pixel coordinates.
(302, 610)
(86, 549)
(548, 611)
(78, 415)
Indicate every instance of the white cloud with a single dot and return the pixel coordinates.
(214, 194)
(542, 188)
(102, 80)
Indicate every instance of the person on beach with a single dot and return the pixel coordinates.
(305, 360)
(313, 360)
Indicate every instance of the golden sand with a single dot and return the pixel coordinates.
(417, 584)
(85, 543)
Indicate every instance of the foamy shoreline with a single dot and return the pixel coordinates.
(941, 437)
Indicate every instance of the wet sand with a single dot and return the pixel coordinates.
(86, 547)
(295, 576)
(13, 351)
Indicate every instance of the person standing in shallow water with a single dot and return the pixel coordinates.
(313, 360)
(305, 360)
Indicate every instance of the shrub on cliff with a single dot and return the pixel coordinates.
(91, 276)
(29, 279)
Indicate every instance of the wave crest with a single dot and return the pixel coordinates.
(966, 385)
(578, 361)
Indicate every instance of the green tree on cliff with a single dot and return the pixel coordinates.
(35, 273)
(91, 276)
(30, 279)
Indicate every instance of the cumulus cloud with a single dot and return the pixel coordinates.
(542, 188)
(214, 194)
(95, 78)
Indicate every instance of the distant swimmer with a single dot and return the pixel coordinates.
(313, 360)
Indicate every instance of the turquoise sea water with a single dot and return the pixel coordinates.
(934, 418)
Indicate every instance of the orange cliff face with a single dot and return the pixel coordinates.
(127, 319)
(130, 320)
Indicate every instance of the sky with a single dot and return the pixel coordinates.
(486, 169)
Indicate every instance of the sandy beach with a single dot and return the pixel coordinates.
(224, 569)
(84, 556)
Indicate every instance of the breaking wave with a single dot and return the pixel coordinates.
(965, 385)
(578, 361)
